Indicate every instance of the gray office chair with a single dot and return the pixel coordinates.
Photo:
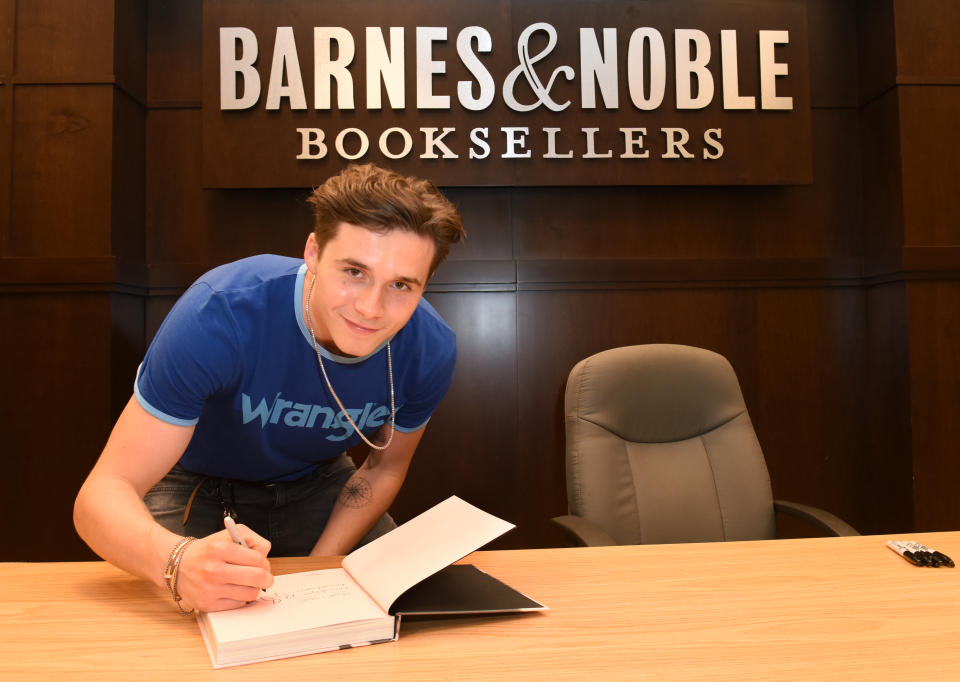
(660, 449)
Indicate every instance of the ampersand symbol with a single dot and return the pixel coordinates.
(526, 68)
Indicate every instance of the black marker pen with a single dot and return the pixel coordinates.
(944, 559)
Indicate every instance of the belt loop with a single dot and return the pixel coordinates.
(186, 511)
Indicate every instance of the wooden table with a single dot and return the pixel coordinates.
(816, 609)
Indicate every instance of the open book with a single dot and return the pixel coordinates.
(362, 602)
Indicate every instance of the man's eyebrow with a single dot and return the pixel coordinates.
(363, 266)
(355, 263)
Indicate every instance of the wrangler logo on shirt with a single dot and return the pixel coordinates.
(305, 415)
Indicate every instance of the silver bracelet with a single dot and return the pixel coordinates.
(167, 572)
(172, 573)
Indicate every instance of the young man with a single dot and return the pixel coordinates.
(261, 377)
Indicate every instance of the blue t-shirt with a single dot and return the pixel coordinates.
(234, 358)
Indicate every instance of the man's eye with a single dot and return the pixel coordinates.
(402, 286)
(353, 272)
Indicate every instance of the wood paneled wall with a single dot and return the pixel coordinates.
(838, 303)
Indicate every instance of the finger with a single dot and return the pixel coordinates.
(232, 553)
(248, 576)
(241, 593)
(254, 540)
(222, 605)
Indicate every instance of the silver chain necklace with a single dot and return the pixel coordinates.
(323, 370)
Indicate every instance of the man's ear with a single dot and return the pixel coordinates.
(311, 253)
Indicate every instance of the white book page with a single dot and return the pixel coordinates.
(298, 601)
(395, 562)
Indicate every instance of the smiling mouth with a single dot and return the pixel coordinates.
(358, 328)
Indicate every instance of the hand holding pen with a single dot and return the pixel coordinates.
(234, 531)
(225, 570)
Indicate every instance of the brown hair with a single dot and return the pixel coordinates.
(382, 200)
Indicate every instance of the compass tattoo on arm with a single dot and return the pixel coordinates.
(356, 493)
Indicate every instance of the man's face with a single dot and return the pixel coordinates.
(367, 286)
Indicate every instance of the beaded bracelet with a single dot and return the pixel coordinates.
(171, 572)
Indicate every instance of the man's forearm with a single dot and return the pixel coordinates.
(215, 574)
(113, 521)
(365, 497)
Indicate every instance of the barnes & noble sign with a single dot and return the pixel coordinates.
(494, 92)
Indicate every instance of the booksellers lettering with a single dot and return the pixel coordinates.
(598, 92)
(602, 64)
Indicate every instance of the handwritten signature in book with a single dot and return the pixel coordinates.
(313, 593)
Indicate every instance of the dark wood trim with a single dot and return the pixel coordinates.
(43, 275)
(92, 274)
(906, 79)
(20, 81)
(913, 263)
(173, 278)
(476, 272)
(173, 104)
(657, 272)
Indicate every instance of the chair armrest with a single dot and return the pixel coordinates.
(581, 532)
(823, 519)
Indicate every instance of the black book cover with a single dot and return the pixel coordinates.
(461, 589)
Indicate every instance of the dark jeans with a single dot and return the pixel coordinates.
(291, 514)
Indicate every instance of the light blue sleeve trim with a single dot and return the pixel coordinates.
(162, 416)
(298, 301)
(404, 429)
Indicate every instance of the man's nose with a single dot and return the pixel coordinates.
(369, 302)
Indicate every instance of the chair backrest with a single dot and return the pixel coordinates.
(660, 448)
